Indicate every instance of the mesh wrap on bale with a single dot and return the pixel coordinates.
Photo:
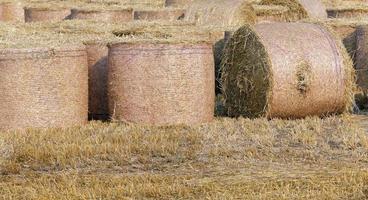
(347, 32)
(161, 83)
(43, 87)
(267, 73)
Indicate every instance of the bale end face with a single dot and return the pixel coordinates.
(246, 75)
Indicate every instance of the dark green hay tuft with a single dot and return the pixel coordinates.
(246, 75)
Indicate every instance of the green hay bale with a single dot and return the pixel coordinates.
(253, 84)
(251, 71)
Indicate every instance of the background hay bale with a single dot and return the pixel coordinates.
(11, 11)
(107, 15)
(348, 9)
(43, 87)
(361, 63)
(269, 73)
(218, 13)
(157, 83)
(40, 14)
(168, 14)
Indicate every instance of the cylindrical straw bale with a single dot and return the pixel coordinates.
(305, 72)
(161, 83)
(113, 15)
(97, 72)
(219, 13)
(12, 11)
(43, 87)
(159, 14)
(35, 14)
(362, 58)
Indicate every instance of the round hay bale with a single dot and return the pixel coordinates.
(168, 14)
(97, 83)
(12, 11)
(42, 14)
(161, 83)
(219, 13)
(43, 87)
(300, 9)
(107, 15)
(267, 73)
(361, 60)
(178, 3)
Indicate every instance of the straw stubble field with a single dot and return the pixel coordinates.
(227, 159)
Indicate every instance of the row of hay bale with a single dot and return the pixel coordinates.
(167, 79)
(164, 73)
(119, 11)
(199, 11)
(263, 10)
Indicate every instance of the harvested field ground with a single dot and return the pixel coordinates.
(227, 159)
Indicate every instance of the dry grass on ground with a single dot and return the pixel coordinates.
(227, 159)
